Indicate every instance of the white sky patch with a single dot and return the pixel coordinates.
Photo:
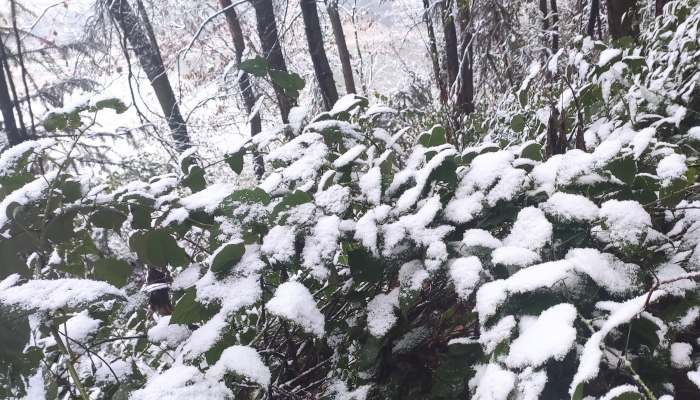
(550, 336)
(293, 301)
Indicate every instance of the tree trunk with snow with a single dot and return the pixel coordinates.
(314, 38)
(234, 27)
(343, 53)
(14, 136)
(465, 96)
(269, 40)
(594, 15)
(128, 22)
(434, 55)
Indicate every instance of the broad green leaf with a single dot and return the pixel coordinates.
(113, 271)
(533, 151)
(255, 66)
(108, 218)
(291, 83)
(235, 161)
(624, 169)
(195, 179)
(227, 257)
(517, 123)
(363, 266)
(157, 248)
(113, 103)
(188, 311)
(290, 200)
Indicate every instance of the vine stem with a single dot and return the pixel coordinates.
(69, 364)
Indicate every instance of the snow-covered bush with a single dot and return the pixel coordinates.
(357, 269)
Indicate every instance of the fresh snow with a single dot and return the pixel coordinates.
(293, 301)
(241, 360)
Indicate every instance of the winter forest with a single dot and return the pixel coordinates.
(350, 199)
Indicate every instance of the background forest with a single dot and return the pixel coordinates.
(350, 199)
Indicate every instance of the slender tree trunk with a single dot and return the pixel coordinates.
(324, 74)
(7, 108)
(343, 53)
(621, 16)
(545, 26)
(466, 71)
(434, 55)
(595, 11)
(153, 66)
(11, 85)
(20, 59)
(555, 26)
(234, 27)
(451, 55)
(659, 6)
(267, 30)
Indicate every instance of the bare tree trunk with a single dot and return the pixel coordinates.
(324, 74)
(434, 55)
(659, 6)
(621, 16)
(545, 25)
(234, 27)
(8, 73)
(451, 55)
(595, 12)
(20, 59)
(267, 30)
(7, 108)
(555, 26)
(343, 53)
(153, 66)
(466, 71)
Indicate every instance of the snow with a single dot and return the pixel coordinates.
(81, 327)
(626, 222)
(694, 377)
(550, 336)
(605, 269)
(241, 360)
(171, 334)
(371, 185)
(615, 392)
(680, 355)
(570, 207)
(349, 156)
(607, 55)
(380, 313)
(495, 384)
(293, 301)
(465, 273)
(209, 198)
(531, 230)
(35, 386)
(32, 191)
(490, 338)
(339, 391)
(186, 278)
(278, 244)
(531, 383)
(104, 373)
(334, 200)
(671, 167)
(480, 237)
(677, 288)
(510, 255)
(181, 382)
(321, 247)
(50, 295)
(412, 275)
(10, 156)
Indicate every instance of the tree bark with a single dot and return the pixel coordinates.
(466, 72)
(595, 11)
(555, 26)
(621, 15)
(153, 66)
(22, 131)
(234, 27)
(434, 55)
(659, 6)
(343, 52)
(451, 55)
(267, 30)
(7, 108)
(322, 69)
(545, 27)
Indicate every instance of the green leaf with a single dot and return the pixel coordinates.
(673, 194)
(60, 229)
(227, 257)
(235, 161)
(195, 179)
(255, 66)
(188, 311)
(14, 335)
(517, 123)
(290, 200)
(363, 266)
(628, 396)
(291, 83)
(140, 216)
(644, 332)
(624, 169)
(533, 151)
(113, 103)
(578, 393)
(113, 271)
(55, 122)
(108, 218)
(157, 248)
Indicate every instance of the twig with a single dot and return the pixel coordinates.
(658, 283)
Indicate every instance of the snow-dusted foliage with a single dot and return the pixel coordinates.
(371, 265)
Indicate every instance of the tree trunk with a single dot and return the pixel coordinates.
(555, 26)
(343, 53)
(451, 55)
(434, 55)
(22, 132)
(466, 71)
(324, 74)
(7, 108)
(267, 30)
(659, 6)
(234, 27)
(153, 66)
(595, 11)
(621, 15)
(545, 26)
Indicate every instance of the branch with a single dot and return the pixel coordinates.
(689, 275)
